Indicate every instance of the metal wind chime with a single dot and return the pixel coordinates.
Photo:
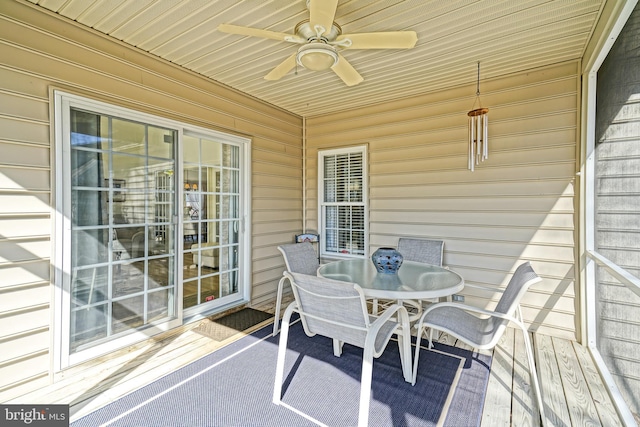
(478, 134)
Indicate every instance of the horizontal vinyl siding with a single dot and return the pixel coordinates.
(277, 212)
(517, 206)
(40, 52)
(25, 228)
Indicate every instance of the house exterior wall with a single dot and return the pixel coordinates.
(41, 52)
(517, 206)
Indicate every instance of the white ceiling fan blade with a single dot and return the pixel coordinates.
(283, 68)
(322, 12)
(255, 32)
(382, 40)
(346, 72)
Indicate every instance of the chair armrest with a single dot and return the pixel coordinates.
(389, 312)
(403, 324)
(469, 308)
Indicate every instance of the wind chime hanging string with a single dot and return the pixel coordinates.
(478, 134)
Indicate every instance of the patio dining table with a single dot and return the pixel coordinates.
(413, 282)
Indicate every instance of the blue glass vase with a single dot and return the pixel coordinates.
(387, 260)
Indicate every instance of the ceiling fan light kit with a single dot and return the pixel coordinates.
(317, 56)
(322, 41)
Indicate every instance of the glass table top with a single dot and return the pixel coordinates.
(414, 280)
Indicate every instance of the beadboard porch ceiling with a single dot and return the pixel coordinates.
(453, 35)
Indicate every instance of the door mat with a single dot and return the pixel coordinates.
(227, 326)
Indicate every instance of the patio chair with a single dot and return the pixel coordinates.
(298, 258)
(421, 250)
(427, 251)
(338, 310)
(480, 328)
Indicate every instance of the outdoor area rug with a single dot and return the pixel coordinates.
(233, 386)
(227, 326)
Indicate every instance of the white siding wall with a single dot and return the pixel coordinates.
(517, 206)
(40, 52)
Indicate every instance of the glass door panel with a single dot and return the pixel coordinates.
(122, 234)
(211, 221)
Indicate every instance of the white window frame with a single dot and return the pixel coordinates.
(63, 102)
(321, 200)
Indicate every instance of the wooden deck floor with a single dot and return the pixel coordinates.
(572, 390)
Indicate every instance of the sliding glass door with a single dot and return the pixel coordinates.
(149, 226)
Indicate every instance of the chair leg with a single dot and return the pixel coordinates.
(404, 346)
(365, 387)
(533, 373)
(337, 347)
(282, 351)
(278, 306)
(416, 356)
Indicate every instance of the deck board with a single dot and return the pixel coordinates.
(582, 410)
(556, 411)
(572, 390)
(601, 399)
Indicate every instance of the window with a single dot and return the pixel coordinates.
(342, 201)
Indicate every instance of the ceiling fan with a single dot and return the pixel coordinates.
(321, 41)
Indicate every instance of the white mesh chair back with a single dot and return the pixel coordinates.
(426, 251)
(522, 279)
(300, 258)
(338, 310)
(421, 250)
(332, 308)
